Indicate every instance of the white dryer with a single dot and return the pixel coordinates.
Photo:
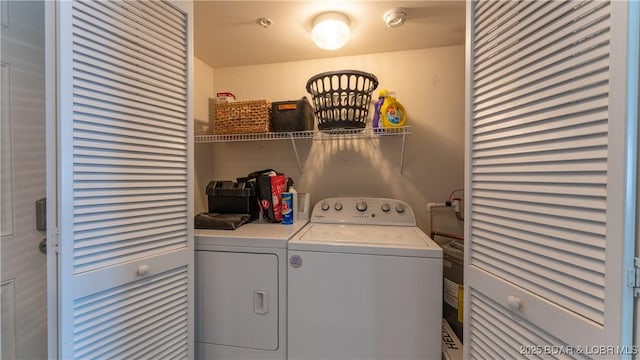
(241, 291)
(364, 283)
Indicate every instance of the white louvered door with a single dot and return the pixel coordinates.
(551, 169)
(124, 185)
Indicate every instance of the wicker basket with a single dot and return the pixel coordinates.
(242, 117)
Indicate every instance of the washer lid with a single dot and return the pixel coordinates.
(366, 239)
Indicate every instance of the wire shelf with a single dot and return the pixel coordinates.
(311, 134)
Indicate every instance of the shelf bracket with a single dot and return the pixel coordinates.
(295, 151)
(404, 135)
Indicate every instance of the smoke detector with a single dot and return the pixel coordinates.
(395, 17)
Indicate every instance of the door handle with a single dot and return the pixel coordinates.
(41, 214)
(261, 302)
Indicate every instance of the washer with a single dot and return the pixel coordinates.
(364, 283)
(241, 291)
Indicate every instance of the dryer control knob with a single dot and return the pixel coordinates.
(324, 206)
(361, 205)
(400, 208)
(386, 207)
(337, 206)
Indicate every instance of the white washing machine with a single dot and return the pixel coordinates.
(241, 291)
(364, 283)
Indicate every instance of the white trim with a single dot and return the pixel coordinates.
(64, 176)
(622, 174)
(9, 305)
(188, 8)
(6, 153)
(633, 117)
(468, 113)
(51, 178)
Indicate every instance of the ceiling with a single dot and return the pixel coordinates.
(227, 32)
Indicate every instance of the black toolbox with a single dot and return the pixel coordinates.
(229, 197)
(295, 115)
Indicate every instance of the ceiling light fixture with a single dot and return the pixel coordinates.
(394, 18)
(331, 30)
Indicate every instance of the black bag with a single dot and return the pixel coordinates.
(270, 185)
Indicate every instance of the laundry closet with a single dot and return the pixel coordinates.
(419, 165)
(425, 166)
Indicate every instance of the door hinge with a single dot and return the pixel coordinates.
(52, 241)
(634, 277)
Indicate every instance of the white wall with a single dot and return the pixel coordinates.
(203, 90)
(203, 84)
(430, 85)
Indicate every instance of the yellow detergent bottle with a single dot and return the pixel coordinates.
(392, 112)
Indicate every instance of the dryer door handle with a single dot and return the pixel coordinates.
(260, 302)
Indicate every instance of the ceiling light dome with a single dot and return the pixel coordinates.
(330, 30)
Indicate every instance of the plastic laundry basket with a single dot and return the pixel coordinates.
(342, 98)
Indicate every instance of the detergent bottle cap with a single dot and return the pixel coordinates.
(382, 93)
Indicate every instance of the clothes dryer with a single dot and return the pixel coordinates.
(241, 291)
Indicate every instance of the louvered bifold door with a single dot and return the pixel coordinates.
(126, 253)
(550, 167)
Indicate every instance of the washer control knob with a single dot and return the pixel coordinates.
(399, 208)
(361, 205)
(386, 207)
(337, 206)
(324, 206)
